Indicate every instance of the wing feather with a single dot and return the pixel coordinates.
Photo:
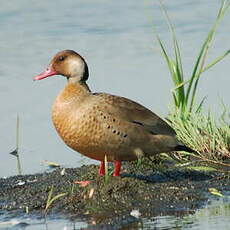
(131, 111)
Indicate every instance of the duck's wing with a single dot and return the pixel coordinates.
(128, 110)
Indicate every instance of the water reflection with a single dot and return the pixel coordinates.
(214, 215)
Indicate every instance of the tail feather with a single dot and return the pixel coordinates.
(184, 148)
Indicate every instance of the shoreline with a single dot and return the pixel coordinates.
(151, 192)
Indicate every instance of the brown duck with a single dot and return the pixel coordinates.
(99, 124)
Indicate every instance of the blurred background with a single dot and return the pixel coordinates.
(116, 38)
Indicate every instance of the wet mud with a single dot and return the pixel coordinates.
(143, 190)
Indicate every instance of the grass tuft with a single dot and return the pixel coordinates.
(206, 135)
(210, 138)
(51, 199)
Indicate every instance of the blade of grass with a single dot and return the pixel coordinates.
(50, 200)
(202, 168)
(106, 170)
(170, 66)
(203, 54)
(178, 68)
(218, 59)
(178, 64)
(199, 107)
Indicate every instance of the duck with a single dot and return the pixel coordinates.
(101, 124)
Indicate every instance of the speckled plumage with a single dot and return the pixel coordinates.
(99, 124)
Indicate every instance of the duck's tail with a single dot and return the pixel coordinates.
(184, 148)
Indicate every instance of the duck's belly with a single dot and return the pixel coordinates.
(93, 138)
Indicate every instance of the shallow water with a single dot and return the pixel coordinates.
(214, 215)
(117, 41)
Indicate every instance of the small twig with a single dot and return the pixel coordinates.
(212, 161)
(16, 151)
(17, 147)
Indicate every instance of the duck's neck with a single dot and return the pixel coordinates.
(75, 91)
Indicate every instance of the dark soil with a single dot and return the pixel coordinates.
(153, 191)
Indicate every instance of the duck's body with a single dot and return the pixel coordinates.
(99, 124)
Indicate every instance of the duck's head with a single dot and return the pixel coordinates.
(67, 63)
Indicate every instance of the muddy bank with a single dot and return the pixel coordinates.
(152, 191)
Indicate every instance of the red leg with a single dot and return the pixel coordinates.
(101, 171)
(117, 168)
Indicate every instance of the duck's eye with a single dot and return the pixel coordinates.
(61, 58)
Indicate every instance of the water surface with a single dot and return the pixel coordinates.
(215, 215)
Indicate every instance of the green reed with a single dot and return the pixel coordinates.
(185, 90)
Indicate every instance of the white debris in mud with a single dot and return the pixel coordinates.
(62, 172)
(135, 213)
(21, 183)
